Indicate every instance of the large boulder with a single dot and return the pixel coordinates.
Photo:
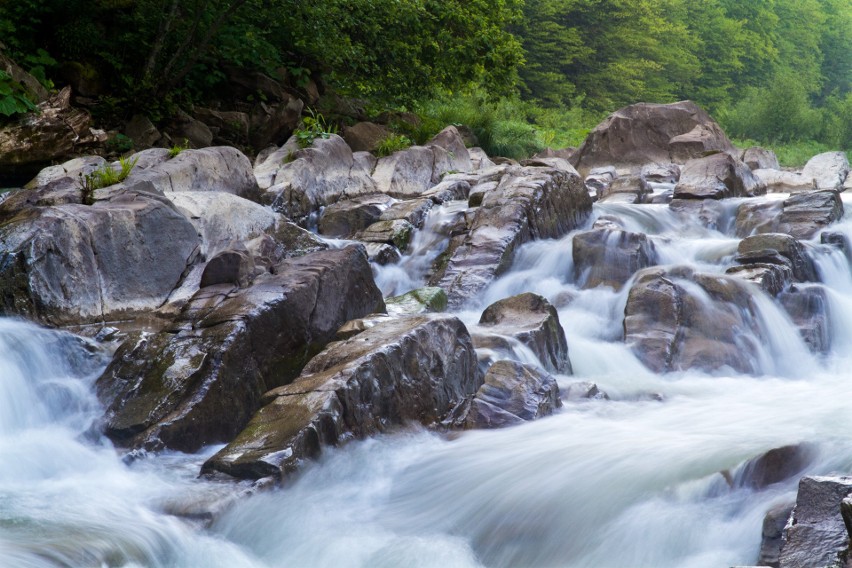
(411, 172)
(757, 158)
(532, 320)
(610, 257)
(646, 133)
(528, 203)
(805, 214)
(365, 136)
(678, 319)
(54, 133)
(716, 177)
(512, 393)
(778, 248)
(199, 381)
(412, 368)
(74, 263)
(782, 181)
(306, 179)
(827, 170)
(346, 218)
(816, 534)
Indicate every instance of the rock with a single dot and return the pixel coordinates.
(828, 170)
(773, 534)
(711, 213)
(397, 233)
(772, 278)
(530, 319)
(660, 173)
(564, 153)
(382, 254)
(646, 133)
(273, 123)
(512, 393)
(346, 218)
(411, 172)
(678, 319)
(598, 181)
(271, 159)
(65, 176)
(35, 89)
(53, 134)
(479, 160)
(757, 158)
(716, 177)
(413, 368)
(222, 219)
(778, 181)
(74, 264)
(317, 176)
(584, 390)
(804, 214)
(142, 131)
(808, 307)
(365, 161)
(228, 127)
(365, 136)
(816, 534)
(528, 203)
(186, 128)
(608, 257)
(285, 240)
(234, 267)
(200, 381)
(760, 249)
(413, 211)
(757, 217)
(838, 240)
(419, 301)
(448, 190)
(775, 466)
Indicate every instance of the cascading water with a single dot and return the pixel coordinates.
(630, 481)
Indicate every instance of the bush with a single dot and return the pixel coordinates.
(313, 126)
(392, 143)
(13, 97)
(104, 176)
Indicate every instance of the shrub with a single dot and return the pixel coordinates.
(313, 126)
(104, 176)
(13, 97)
(175, 150)
(392, 143)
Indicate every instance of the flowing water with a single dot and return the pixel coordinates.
(631, 481)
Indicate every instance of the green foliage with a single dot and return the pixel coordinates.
(13, 97)
(104, 176)
(392, 143)
(313, 126)
(119, 144)
(175, 150)
(790, 154)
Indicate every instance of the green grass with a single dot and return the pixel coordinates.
(104, 176)
(392, 143)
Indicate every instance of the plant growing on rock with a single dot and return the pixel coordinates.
(104, 176)
(175, 150)
(313, 126)
(392, 143)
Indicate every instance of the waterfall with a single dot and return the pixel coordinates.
(636, 480)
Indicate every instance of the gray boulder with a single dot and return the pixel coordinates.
(415, 368)
(808, 307)
(772, 535)
(768, 247)
(199, 381)
(512, 393)
(645, 133)
(716, 177)
(805, 214)
(782, 181)
(757, 158)
(530, 319)
(528, 203)
(346, 218)
(678, 319)
(365, 136)
(610, 257)
(309, 178)
(816, 534)
(827, 170)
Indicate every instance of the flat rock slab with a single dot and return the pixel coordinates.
(415, 368)
(200, 381)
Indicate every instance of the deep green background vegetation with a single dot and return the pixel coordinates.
(522, 73)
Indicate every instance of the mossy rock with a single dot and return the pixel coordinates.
(422, 300)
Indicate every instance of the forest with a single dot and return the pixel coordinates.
(523, 74)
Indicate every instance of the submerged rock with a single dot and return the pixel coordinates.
(199, 381)
(512, 393)
(610, 257)
(415, 368)
(808, 307)
(678, 319)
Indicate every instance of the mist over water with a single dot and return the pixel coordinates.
(631, 481)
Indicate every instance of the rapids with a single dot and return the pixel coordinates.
(631, 481)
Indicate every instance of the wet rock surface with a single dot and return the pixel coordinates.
(608, 257)
(198, 381)
(416, 368)
(512, 393)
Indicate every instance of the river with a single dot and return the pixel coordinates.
(631, 481)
